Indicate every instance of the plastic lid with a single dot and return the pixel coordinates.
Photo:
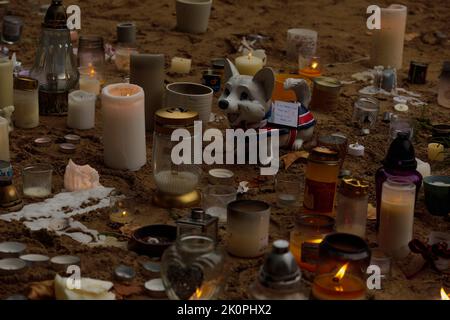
(401, 154)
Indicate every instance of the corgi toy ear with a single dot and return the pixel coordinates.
(266, 78)
(230, 70)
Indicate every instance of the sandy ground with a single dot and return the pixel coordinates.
(342, 39)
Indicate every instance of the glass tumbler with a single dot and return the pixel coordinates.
(216, 199)
(288, 191)
(37, 180)
(401, 124)
(365, 112)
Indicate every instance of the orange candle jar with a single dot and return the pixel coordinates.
(309, 232)
(279, 93)
(321, 181)
(340, 275)
(313, 69)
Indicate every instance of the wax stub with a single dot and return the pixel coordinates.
(284, 113)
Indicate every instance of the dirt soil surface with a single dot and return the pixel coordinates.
(343, 39)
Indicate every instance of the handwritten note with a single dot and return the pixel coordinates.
(284, 113)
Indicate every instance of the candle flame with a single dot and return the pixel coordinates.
(444, 295)
(250, 55)
(314, 65)
(91, 70)
(124, 213)
(198, 294)
(341, 273)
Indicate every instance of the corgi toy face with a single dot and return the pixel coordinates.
(246, 99)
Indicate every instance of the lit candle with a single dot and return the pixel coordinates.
(397, 217)
(81, 112)
(436, 152)
(89, 81)
(444, 295)
(312, 70)
(339, 286)
(124, 126)
(121, 217)
(249, 65)
(181, 65)
(6, 83)
(387, 49)
(4, 139)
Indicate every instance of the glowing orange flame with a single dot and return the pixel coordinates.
(314, 65)
(124, 213)
(444, 295)
(341, 273)
(250, 55)
(197, 295)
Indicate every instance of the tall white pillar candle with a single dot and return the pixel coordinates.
(123, 110)
(388, 42)
(397, 217)
(4, 139)
(6, 82)
(81, 112)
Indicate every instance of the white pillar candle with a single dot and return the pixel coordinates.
(388, 42)
(6, 82)
(397, 217)
(249, 64)
(181, 65)
(26, 103)
(89, 81)
(124, 126)
(4, 139)
(81, 111)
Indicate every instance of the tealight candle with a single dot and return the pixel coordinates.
(122, 216)
(249, 65)
(312, 70)
(89, 81)
(4, 139)
(436, 152)
(181, 65)
(81, 111)
(124, 126)
(6, 85)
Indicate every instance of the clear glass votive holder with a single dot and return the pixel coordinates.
(383, 261)
(216, 199)
(401, 124)
(37, 180)
(288, 191)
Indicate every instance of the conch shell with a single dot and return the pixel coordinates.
(78, 178)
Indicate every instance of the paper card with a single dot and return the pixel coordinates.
(285, 114)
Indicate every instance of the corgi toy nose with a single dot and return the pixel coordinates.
(223, 104)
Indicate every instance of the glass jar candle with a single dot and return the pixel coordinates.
(444, 86)
(352, 207)
(216, 198)
(341, 272)
(325, 95)
(248, 228)
(123, 54)
(198, 223)
(37, 180)
(91, 52)
(365, 112)
(322, 173)
(193, 269)
(176, 182)
(26, 102)
(309, 232)
(397, 216)
(280, 277)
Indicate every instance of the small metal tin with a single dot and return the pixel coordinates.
(11, 265)
(124, 273)
(72, 138)
(417, 72)
(61, 263)
(212, 79)
(151, 267)
(11, 249)
(156, 288)
(67, 148)
(43, 141)
(35, 259)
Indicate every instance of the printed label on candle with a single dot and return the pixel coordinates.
(319, 196)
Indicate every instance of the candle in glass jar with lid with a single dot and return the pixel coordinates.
(26, 102)
(176, 182)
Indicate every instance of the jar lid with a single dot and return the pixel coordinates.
(175, 117)
(25, 83)
(354, 186)
(327, 82)
(401, 154)
(316, 222)
(343, 246)
(324, 155)
(91, 42)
